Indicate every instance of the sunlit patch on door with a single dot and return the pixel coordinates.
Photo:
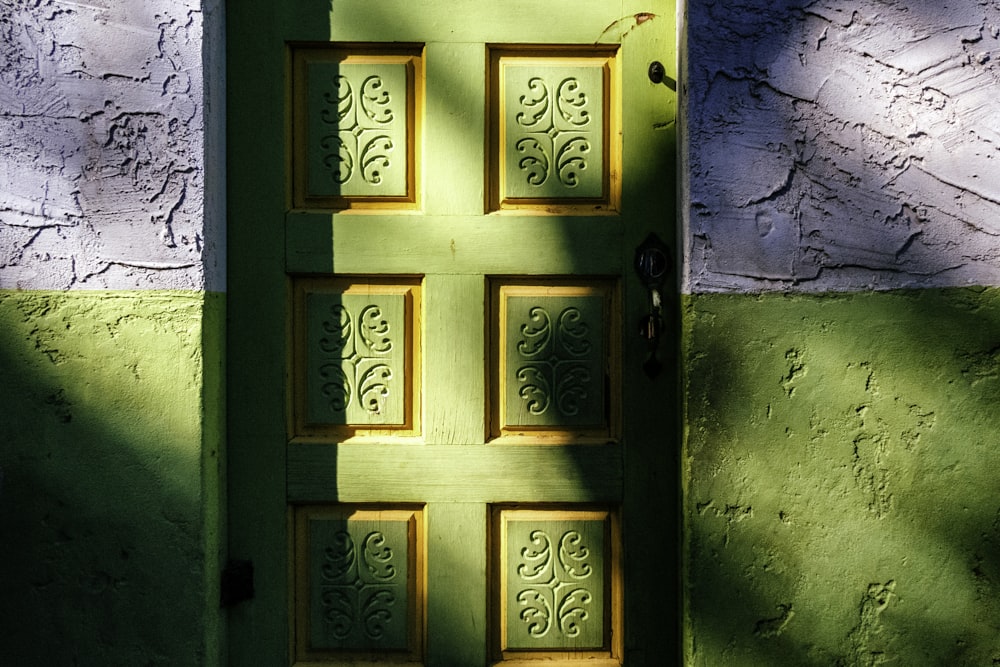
(358, 584)
(556, 585)
(356, 345)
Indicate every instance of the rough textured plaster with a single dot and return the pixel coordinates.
(102, 146)
(109, 510)
(841, 502)
(842, 144)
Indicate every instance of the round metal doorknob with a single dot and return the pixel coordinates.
(656, 71)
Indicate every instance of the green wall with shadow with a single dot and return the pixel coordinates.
(841, 459)
(110, 447)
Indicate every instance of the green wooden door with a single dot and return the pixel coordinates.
(442, 447)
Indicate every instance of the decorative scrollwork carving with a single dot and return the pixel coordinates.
(338, 160)
(535, 162)
(536, 557)
(572, 160)
(339, 332)
(375, 330)
(574, 333)
(340, 102)
(375, 101)
(573, 555)
(375, 158)
(556, 373)
(373, 387)
(572, 612)
(536, 333)
(376, 613)
(550, 589)
(360, 146)
(338, 612)
(537, 613)
(535, 389)
(378, 557)
(338, 390)
(360, 346)
(553, 139)
(572, 103)
(572, 389)
(535, 104)
(358, 598)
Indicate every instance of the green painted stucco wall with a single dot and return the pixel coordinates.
(110, 500)
(841, 463)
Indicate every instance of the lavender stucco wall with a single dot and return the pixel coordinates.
(110, 169)
(841, 144)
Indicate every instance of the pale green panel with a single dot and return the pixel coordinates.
(358, 584)
(357, 138)
(556, 573)
(453, 153)
(355, 371)
(555, 361)
(454, 367)
(553, 118)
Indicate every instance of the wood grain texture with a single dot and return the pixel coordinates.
(456, 584)
(497, 245)
(453, 385)
(453, 473)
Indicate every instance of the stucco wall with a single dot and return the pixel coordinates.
(109, 499)
(111, 330)
(841, 332)
(842, 460)
(103, 168)
(842, 144)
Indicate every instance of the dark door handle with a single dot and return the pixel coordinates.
(652, 264)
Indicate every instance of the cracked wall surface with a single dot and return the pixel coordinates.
(842, 145)
(103, 166)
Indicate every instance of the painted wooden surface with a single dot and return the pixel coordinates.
(459, 473)
(445, 239)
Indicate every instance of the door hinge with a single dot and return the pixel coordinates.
(236, 583)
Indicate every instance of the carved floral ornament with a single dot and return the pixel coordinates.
(557, 580)
(360, 118)
(557, 127)
(359, 348)
(554, 120)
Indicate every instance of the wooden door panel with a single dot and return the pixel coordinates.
(557, 584)
(554, 361)
(554, 129)
(356, 347)
(359, 583)
(357, 127)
